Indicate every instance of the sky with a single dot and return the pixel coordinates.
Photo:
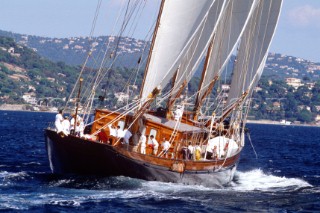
(297, 34)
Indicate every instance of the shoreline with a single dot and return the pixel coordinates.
(23, 108)
(270, 122)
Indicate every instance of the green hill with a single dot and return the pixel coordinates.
(25, 77)
(23, 71)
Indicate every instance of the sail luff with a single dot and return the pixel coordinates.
(152, 46)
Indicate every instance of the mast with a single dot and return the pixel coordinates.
(77, 105)
(171, 99)
(199, 100)
(152, 46)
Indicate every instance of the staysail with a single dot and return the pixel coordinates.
(253, 48)
(228, 33)
(196, 51)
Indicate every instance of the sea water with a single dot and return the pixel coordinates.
(279, 171)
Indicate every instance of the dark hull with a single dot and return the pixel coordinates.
(73, 155)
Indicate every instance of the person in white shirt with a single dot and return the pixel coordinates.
(178, 113)
(143, 140)
(190, 151)
(209, 149)
(66, 125)
(81, 128)
(112, 130)
(119, 132)
(58, 122)
(72, 123)
(155, 145)
(165, 147)
(127, 135)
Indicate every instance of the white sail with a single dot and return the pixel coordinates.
(199, 46)
(179, 22)
(229, 31)
(253, 48)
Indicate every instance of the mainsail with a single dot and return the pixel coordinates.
(179, 23)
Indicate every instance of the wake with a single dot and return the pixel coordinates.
(258, 180)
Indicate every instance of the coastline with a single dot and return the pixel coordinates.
(270, 122)
(24, 107)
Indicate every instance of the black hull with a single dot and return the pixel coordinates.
(73, 155)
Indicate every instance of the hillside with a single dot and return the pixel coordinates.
(289, 89)
(24, 72)
(73, 50)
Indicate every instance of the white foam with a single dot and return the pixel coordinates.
(6, 178)
(172, 187)
(258, 180)
(65, 203)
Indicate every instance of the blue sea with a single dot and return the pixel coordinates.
(279, 171)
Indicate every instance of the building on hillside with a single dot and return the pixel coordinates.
(276, 105)
(294, 82)
(310, 85)
(30, 98)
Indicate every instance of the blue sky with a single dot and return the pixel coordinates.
(298, 32)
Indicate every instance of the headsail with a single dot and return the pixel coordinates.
(197, 50)
(229, 31)
(253, 48)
